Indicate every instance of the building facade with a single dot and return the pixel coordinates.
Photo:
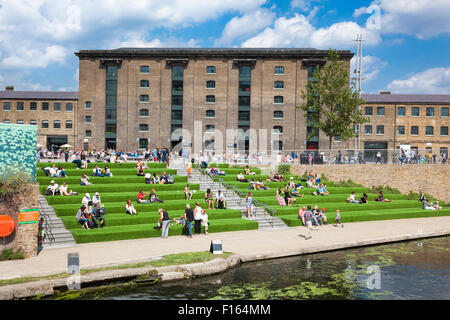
(137, 98)
(52, 111)
(409, 121)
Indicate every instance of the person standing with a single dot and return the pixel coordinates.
(338, 219)
(308, 218)
(249, 200)
(189, 217)
(205, 221)
(164, 219)
(198, 218)
(378, 157)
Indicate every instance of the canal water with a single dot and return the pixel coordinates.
(406, 270)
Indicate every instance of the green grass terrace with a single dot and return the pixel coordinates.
(125, 184)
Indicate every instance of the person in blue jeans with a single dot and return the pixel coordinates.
(189, 218)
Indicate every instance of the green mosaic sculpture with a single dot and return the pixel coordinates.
(18, 145)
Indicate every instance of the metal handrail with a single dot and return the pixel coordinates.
(241, 194)
(48, 222)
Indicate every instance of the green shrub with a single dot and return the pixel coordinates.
(348, 183)
(12, 181)
(416, 196)
(284, 169)
(8, 254)
(385, 189)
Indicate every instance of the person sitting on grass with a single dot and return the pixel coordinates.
(140, 197)
(97, 172)
(63, 190)
(61, 172)
(209, 198)
(142, 165)
(53, 172)
(240, 177)
(247, 171)
(365, 198)
(155, 178)
(129, 208)
(218, 172)
(97, 216)
(381, 198)
(270, 178)
(352, 198)
(310, 183)
(296, 193)
(187, 193)
(338, 219)
(321, 191)
(107, 172)
(252, 184)
(164, 179)
(301, 214)
(177, 221)
(52, 189)
(85, 181)
(148, 178)
(140, 172)
(281, 201)
(153, 198)
(278, 177)
(82, 217)
(260, 185)
(289, 199)
(220, 200)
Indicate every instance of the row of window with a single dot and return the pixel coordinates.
(211, 128)
(212, 69)
(429, 130)
(178, 100)
(401, 111)
(20, 106)
(45, 123)
(212, 114)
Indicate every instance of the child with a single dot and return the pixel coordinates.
(177, 221)
(322, 214)
(338, 219)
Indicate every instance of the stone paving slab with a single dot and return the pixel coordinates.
(250, 245)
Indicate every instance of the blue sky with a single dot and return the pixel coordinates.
(406, 48)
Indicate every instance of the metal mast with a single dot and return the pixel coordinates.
(358, 78)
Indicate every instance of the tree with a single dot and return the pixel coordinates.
(332, 103)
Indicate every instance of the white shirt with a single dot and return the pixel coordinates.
(198, 213)
(352, 196)
(53, 187)
(52, 171)
(63, 189)
(204, 219)
(220, 196)
(85, 201)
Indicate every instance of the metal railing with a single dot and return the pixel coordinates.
(241, 194)
(48, 224)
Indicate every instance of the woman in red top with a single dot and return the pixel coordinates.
(140, 197)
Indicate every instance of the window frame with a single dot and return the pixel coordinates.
(210, 82)
(144, 80)
(278, 111)
(144, 101)
(86, 133)
(278, 73)
(209, 96)
(56, 103)
(86, 119)
(404, 130)
(69, 103)
(277, 131)
(21, 103)
(71, 125)
(275, 97)
(404, 112)
(35, 106)
(440, 131)
(210, 111)
(384, 111)
(411, 129)
(215, 70)
(56, 122)
(143, 124)
(6, 103)
(279, 82)
(144, 72)
(376, 130)
(86, 104)
(418, 111)
(442, 109)
(47, 126)
(426, 112)
(140, 113)
(371, 129)
(426, 129)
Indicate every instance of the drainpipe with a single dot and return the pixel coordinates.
(395, 126)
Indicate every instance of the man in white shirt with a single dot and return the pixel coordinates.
(52, 171)
(220, 200)
(96, 201)
(52, 188)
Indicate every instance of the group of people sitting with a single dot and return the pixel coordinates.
(91, 213)
(54, 172)
(99, 172)
(214, 171)
(55, 189)
(318, 216)
(365, 199)
(427, 205)
(219, 198)
(152, 197)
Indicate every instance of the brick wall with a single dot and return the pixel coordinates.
(432, 179)
(24, 235)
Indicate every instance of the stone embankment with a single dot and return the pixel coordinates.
(165, 274)
(433, 179)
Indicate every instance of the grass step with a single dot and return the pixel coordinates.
(371, 215)
(105, 180)
(91, 165)
(115, 172)
(125, 187)
(151, 217)
(146, 230)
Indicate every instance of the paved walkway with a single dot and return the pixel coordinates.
(251, 245)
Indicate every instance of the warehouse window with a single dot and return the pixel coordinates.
(144, 69)
(279, 70)
(278, 99)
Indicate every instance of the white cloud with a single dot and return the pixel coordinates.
(303, 5)
(299, 32)
(434, 80)
(419, 18)
(24, 57)
(239, 27)
(286, 32)
(371, 67)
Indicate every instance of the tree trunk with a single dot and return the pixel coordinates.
(329, 148)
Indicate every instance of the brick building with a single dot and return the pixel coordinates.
(52, 111)
(416, 121)
(136, 98)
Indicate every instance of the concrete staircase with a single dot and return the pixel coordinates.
(234, 201)
(56, 235)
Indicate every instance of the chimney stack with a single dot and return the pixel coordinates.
(385, 92)
(9, 88)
